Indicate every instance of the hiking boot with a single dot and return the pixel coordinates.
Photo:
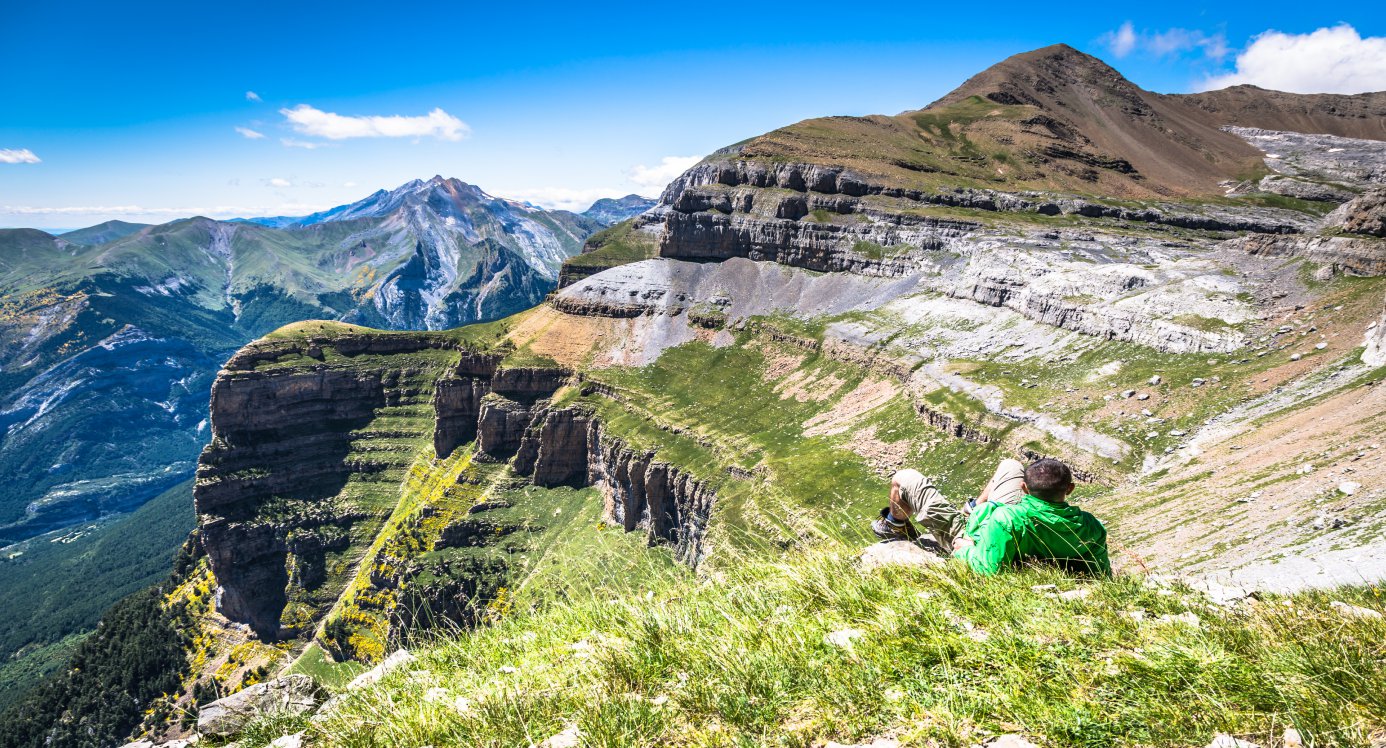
(887, 528)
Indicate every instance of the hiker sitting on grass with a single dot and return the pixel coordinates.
(1022, 515)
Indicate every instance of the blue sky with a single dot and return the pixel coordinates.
(117, 111)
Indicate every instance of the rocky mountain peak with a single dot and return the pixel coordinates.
(1054, 77)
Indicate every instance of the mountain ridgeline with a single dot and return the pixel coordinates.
(113, 334)
(1181, 296)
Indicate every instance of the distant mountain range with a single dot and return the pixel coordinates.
(110, 334)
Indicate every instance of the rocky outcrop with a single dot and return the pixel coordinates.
(642, 492)
(1375, 352)
(1310, 155)
(723, 209)
(286, 439)
(1351, 255)
(290, 695)
(1362, 215)
(1304, 190)
(569, 446)
(554, 450)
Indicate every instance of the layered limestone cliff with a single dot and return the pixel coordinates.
(568, 446)
(306, 437)
(318, 439)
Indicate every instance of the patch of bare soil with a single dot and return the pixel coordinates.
(884, 457)
(866, 397)
(805, 387)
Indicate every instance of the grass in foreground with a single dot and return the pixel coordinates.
(743, 657)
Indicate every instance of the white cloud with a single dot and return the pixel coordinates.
(306, 144)
(1122, 41)
(348, 184)
(129, 210)
(277, 182)
(653, 179)
(1168, 43)
(438, 124)
(249, 133)
(562, 198)
(17, 156)
(1327, 60)
(252, 96)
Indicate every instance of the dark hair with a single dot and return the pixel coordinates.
(1048, 479)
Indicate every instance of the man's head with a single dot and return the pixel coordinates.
(1048, 479)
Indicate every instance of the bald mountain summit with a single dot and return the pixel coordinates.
(632, 513)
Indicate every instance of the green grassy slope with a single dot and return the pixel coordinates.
(937, 657)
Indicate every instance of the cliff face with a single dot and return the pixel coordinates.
(287, 440)
(314, 440)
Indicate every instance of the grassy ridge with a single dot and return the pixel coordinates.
(940, 657)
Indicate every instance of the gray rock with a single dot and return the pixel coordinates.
(1223, 740)
(397, 659)
(897, 553)
(1362, 215)
(294, 694)
(1304, 190)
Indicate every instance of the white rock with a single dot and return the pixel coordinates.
(1296, 357)
(1188, 619)
(1082, 593)
(1349, 487)
(569, 738)
(896, 553)
(877, 743)
(397, 659)
(843, 637)
(1223, 740)
(287, 741)
(1155, 380)
(1292, 738)
(1353, 611)
(1320, 346)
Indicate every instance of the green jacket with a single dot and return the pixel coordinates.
(1034, 529)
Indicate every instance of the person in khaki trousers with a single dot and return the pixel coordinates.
(1022, 516)
(913, 495)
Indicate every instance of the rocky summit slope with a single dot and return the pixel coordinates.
(1049, 261)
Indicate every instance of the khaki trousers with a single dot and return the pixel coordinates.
(945, 522)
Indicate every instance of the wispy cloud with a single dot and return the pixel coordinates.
(128, 210)
(562, 198)
(348, 184)
(277, 182)
(252, 96)
(306, 144)
(249, 133)
(18, 156)
(1122, 41)
(1125, 41)
(653, 179)
(1327, 60)
(306, 120)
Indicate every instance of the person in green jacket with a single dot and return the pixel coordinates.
(1022, 515)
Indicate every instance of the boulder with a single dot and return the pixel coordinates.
(897, 553)
(1365, 214)
(397, 659)
(292, 694)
